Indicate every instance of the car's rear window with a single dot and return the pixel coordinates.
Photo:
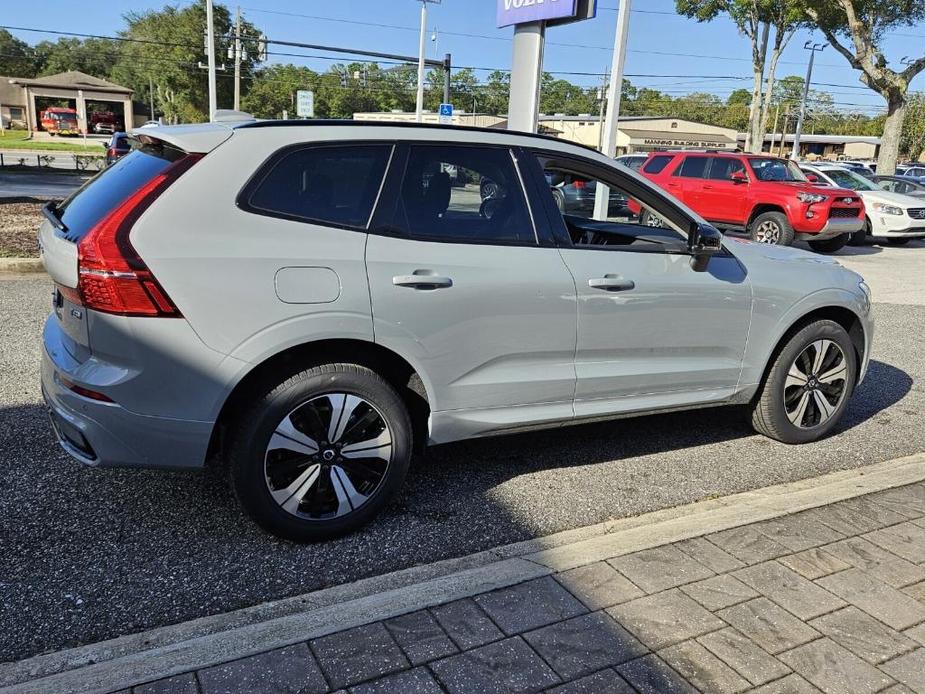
(335, 185)
(102, 193)
(657, 163)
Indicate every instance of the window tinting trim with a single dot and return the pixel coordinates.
(269, 164)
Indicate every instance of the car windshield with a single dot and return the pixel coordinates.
(773, 169)
(844, 178)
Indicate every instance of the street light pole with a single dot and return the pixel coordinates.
(210, 48)
(419, 106)
(812, 48)
(614, 92)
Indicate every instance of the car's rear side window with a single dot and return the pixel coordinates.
(693, 167)
(102, 193)
(463, 194)
(336, 184)
(657, 163)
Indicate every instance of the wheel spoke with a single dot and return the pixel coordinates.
(287, 436)
(379, 447)
(825, 407)
(836, 373)
(796, 415)
(795, 377)
(822, 348)
(348, 498)
(342, 406)
(291, 496)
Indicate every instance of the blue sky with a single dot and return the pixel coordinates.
(660, 42)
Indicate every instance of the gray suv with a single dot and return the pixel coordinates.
(309, 303)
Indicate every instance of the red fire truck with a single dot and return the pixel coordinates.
(59, 121)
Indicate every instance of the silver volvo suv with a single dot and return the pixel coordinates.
(309, 303)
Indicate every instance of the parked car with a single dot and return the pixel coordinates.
(859, 167)
(905, 185)
(766, 197)
(632, 161)
(916, 172)
(898, 218)
(104, 127)
(576, 194)
(288, 299)
(118, 146)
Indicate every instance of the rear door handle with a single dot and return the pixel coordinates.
(422, 279)
(611, 283)
(708, 187)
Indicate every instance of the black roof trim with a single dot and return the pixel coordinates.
(404, 124)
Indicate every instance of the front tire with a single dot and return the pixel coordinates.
(836, 243)
(773, 228)
(860, 236)
(320, 453)
(808, 385)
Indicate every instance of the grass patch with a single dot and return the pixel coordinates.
(17, 139)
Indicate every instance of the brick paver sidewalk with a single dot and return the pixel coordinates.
(830, 599)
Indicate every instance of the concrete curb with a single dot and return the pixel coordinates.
(18, 265)
(165, 651)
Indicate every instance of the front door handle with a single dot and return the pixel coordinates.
(611, 283)
(422, 279)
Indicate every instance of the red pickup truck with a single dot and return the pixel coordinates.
(767, 197)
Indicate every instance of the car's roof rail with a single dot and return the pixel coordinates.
(319, 122)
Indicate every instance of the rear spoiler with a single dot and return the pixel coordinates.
(201, 137)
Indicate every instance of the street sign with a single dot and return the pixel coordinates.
(305, 103)
(522, 11)
(446, 114)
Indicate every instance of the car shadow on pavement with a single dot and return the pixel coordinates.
(90, 554)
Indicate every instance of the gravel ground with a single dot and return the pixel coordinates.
(19, 226)
(91, 554)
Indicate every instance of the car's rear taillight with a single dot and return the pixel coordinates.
(580, 184)
(111, 152)
(113, 277)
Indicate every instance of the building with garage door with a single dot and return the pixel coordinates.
(26, 97)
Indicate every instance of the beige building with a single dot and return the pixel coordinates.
(830, 147)
(19, 96)
(634, 133)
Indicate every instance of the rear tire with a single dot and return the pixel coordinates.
(898, 242)
(773, 228)
(836, 243)
(804, 394)
(647, 219)
(321, 452)
(860, 236)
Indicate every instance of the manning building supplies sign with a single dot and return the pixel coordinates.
(522, 11)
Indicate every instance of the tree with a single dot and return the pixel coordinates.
(91, 56)
(272, 88)
(16, 57)
(754, 18)
(166, 51)
(739, 96)
(855, 28)
(912, 140)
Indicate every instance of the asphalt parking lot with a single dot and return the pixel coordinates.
(91, 554)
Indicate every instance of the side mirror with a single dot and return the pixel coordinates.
(812, 178)
(738, 177)
(704, 242)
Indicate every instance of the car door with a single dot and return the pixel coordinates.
(464, 289)
(652, 332)
(691, 177)
(721, 194)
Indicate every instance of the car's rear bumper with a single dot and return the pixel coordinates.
(105, 433)
(835, 226)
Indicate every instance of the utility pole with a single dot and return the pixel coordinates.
(783, 134)
(600, 95)
(774, 129)
(614, 92)
(812, 48)
(210, 49)
(237, 59)
(419, 105)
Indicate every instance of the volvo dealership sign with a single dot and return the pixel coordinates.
(523, 11)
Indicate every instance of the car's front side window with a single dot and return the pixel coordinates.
(463, 194)
(630, 224)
